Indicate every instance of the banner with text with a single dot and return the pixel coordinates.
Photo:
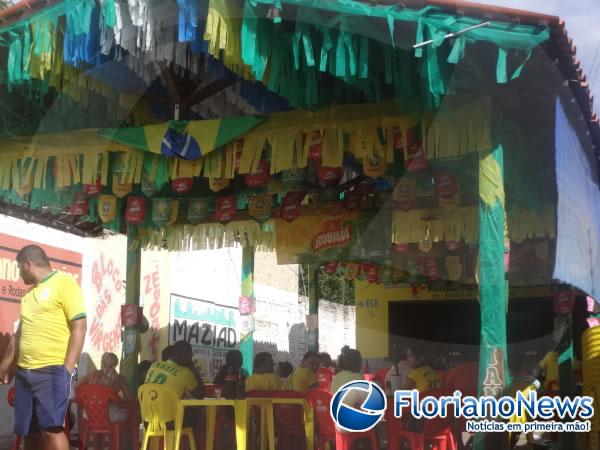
(212, 330)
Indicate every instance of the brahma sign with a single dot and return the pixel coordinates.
(12, 287)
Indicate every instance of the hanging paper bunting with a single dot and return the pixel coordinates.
(453, 268)
(182, 185)
(564, 301)
(315, 146)
(405, 193)
(239, 149)
(453, 245)
(355, 195)
(161, 211)
(289, 210)
(149, 188)
(429, 268)
(375, 166)
(218, 184)
(351, 271)
(293, 177)
(197, 210)
(425, 245)
(330, 176)
(225, 208)
(174, 212)
(80, 205)
(330, 266)
(135, 211)
(119, 187)
(400, 248)
(446, 190)
(259, 178)
(107, 207)
(415, 155)
(246, 305)
(259, 206)
(93, 190)
(373, 273)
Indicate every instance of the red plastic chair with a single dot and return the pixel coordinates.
(437, 432)
(289, 421)
(94, 399)
(17, 439)
(254, 434)
(324, 377)
(397, 435)
(320, 400)
(380, 377)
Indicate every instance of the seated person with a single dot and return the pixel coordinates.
(179, 374)
(264, 378)
(396, 376)
(304, 377)
(166, 353)
(326, 361)
(108, 376)
(349, 364)
(233, 364)
(284, 369)
(423, 377)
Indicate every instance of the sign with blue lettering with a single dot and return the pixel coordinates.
(212, 329)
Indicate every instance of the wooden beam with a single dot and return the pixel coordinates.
(202, 93)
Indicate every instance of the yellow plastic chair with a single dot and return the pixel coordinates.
(159, 407)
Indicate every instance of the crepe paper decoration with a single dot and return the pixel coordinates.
(80, 205)
(226, 208)
(135, 212)
(182, 185)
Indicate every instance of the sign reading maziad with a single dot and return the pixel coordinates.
(212, 330)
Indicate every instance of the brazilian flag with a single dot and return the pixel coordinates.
(189, 140)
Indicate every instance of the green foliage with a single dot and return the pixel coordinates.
(331, 287)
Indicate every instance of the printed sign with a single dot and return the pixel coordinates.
(211, 329)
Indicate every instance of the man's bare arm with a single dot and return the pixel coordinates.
(11, 355)
(76, 339)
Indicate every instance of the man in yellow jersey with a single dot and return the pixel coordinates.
(304, 377)
(179, 374)
(48, 344)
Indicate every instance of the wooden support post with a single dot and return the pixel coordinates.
(131, 337)
(247, 335)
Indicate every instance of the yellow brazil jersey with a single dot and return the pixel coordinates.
(46, 310)
(425, 379)
(264, 382)
(550, 365)
(301, 379)
(170, 374)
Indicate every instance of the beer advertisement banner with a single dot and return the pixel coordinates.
(327, 236)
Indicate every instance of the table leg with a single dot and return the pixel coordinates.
(270, 425)
(309, 428)
(178, 425)
(211, 418)
(241, 419)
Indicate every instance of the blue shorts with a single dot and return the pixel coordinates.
(41, 398)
